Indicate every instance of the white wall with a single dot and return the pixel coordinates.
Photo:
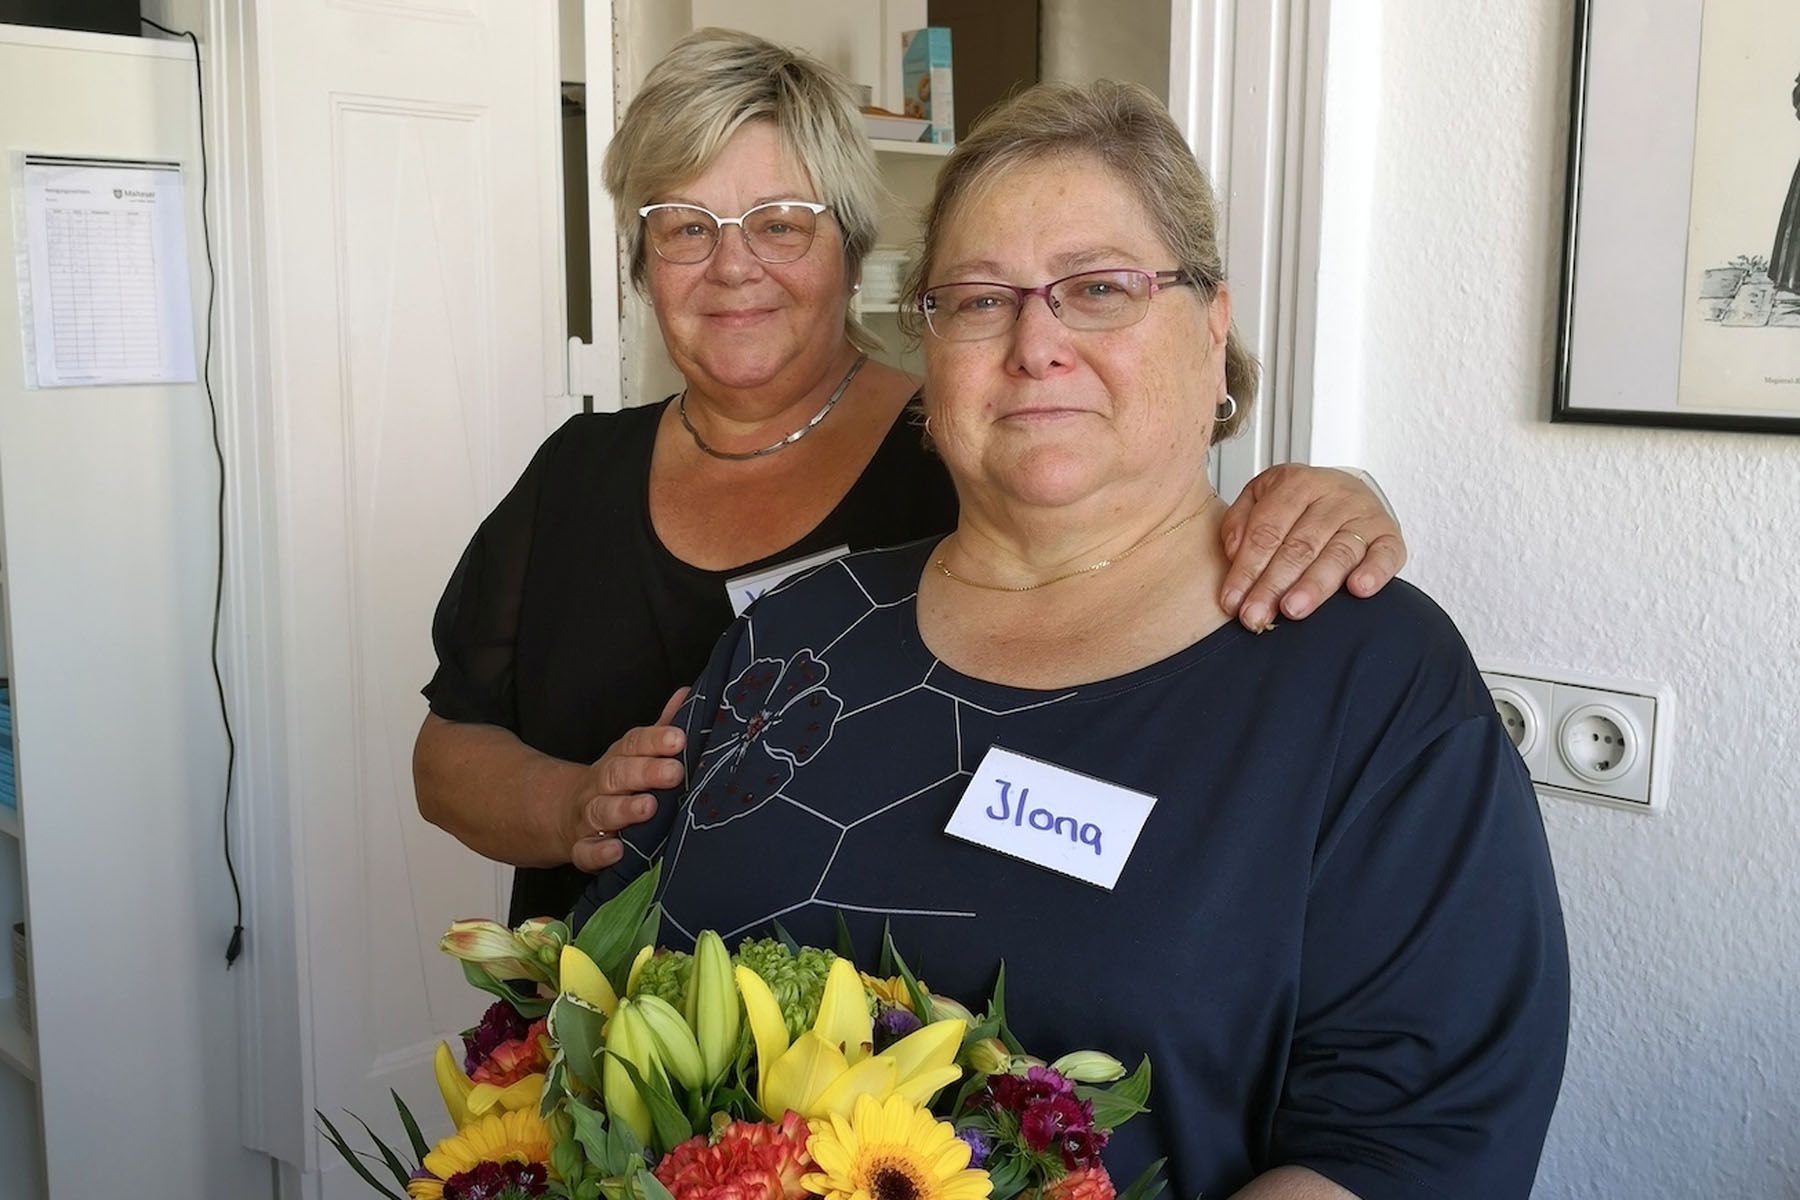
(1637, 553)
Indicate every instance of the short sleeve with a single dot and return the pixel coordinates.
(1433, 1015)
(475, 630)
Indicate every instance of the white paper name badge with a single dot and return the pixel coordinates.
(1051, 817)
(745, 590)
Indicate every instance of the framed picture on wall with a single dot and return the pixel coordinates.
(1681, 263)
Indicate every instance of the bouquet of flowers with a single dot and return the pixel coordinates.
(607, 1067)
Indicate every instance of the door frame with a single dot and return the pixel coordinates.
(1247, 86)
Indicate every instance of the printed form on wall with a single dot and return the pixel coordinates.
(105, 294)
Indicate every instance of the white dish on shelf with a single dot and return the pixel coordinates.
(18, 1049)
(882, 269)
(927, 149)
(894, 129)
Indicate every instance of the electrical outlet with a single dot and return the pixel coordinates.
(1523, 705)
(1601, 741)
(1604, 745)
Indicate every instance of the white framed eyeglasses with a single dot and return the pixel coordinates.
(1089, 301)
(777, 232)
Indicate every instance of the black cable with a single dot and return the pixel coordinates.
(236, 946)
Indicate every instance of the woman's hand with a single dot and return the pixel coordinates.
(615, 792)
(1296, 534)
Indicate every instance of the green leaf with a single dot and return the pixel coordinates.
(920, 997)
(567, 1158)
(528, 1006)
(971, 1085)
(653, 1188)
(400, 1171)
(1148, 1185)
(351, 1157)
(979, 1033)
(997, 1011)
(885, 968)
(846, 945)
(556, 1084)
(1115, 1105)
(623, 1148)
(784, 937)
(420, 1146)
(591, 1131)
(1007, 1177)
(669, 1126)
(576, 1028)
(608, 935)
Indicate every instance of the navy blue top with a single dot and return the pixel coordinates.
(1338, 936)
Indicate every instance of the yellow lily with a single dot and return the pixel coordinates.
(495, 950)
(466, 1101)
(629, 1039)
(843, 1018)
(580, 977)
(713, 1008)
(453, 1085)
(637, 968)
(827, 1067)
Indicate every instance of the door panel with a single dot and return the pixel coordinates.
(411, 189)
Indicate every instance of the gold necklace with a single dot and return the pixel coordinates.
(1087, 570)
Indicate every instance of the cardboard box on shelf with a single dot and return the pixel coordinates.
(926, 80)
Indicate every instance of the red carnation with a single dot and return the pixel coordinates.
(513, 1060)
(1090, 1183)
(746, 1161)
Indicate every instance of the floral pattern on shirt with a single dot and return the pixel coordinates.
(776, 715)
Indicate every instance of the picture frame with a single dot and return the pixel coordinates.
(1684, 138)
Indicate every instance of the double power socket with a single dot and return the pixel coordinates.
(1586, 739)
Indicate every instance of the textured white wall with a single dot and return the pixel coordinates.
(1634, 553)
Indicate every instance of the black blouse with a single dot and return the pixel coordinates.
(568, 621)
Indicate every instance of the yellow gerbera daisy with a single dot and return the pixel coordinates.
(499, 1137)
(891, 1150)
(892, 992)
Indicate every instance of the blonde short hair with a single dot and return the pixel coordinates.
(709, 86)
(1126, 128)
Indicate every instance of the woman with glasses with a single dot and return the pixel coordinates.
(1303, 872)
(748, 197)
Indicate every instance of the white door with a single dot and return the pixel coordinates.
(411, 191)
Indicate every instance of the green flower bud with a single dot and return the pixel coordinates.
(1089, 1066)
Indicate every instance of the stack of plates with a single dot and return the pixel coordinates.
(8, 797)
(882, 270)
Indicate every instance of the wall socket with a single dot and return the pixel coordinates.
(1582, 738)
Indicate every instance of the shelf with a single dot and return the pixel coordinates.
(927, 149)
(9, 823)
(18, 1049)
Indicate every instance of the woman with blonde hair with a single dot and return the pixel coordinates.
(1303, 872)
(748, 194)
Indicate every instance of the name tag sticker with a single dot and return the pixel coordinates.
(745, 590)
(1051, 817)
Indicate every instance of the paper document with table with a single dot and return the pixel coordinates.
(105, 298)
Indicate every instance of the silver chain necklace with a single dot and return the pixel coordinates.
(784, 443)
